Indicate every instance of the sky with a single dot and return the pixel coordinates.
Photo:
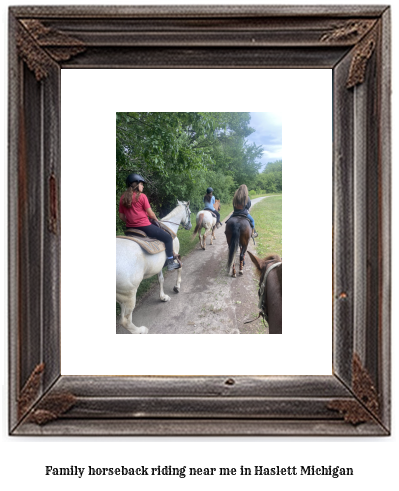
(268, 133)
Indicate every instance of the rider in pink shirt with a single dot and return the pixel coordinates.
(135, 211)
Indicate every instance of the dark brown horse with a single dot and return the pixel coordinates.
(238, 233)
(270, 290)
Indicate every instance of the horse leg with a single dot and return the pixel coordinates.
(213, 235)
(204, 238)
(243, 250)
(127, 303)
(176, 288)
(201, 239)
(241, 261)
(162, 296)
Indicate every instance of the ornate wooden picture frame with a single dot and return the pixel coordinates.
(352, 41)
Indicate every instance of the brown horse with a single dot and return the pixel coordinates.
(270, 290)
(238, 233)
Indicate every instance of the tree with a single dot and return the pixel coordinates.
(181, 154)
(276, 166)
(271, 179)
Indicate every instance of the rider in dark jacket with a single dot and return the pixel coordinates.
(242, 204)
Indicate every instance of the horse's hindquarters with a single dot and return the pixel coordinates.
(133, 264)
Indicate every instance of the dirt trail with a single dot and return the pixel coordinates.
(210, 301)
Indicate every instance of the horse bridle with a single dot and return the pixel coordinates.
(187, 224)
(262, 312)
(262, 288)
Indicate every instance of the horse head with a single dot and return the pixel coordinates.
(186, 215)
(270, 290)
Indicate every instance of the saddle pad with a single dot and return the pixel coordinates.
(152, 246)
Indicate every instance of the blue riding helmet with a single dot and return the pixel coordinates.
(209, 190)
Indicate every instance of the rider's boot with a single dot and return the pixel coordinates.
(170, 264)
(254, 233)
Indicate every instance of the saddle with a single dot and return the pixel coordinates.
(238, 214)
(150, 245)
(164, 227)
(210, 211)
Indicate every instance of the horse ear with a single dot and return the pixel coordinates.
(188, 203)
(259, 263)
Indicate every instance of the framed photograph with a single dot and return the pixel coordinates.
(351, 42)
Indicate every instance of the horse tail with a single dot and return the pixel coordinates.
(198, 226)
(234, 243)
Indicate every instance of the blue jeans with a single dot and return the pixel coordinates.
(251, 220)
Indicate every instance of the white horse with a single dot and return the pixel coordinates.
(133, 264)
(206, 220)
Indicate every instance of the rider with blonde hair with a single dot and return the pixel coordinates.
(242, 204)
(135, 211)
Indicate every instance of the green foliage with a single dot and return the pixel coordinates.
(181, 154)
(271, 179)
(276, 166)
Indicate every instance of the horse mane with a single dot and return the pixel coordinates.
(171, 214)
(267, 260)
(273, 257)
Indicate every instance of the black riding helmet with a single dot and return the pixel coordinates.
(131, 178)
(209, 190)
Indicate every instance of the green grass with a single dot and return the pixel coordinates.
(268, 223)
(262, 195)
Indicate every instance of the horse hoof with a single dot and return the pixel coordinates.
(241, 272)
(176, 290)
(137, 330)
(166, 298)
